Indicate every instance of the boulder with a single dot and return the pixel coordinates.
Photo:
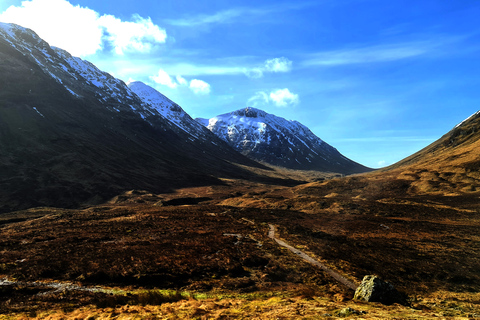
(374, 289)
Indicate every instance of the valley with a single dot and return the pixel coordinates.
(115, 203)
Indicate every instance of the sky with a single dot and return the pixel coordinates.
(378, 80)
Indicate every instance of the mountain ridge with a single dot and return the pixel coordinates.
(71, 134)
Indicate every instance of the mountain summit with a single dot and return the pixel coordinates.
(274, 140)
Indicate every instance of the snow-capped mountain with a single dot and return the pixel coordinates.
(74, 74)
(274, 140)
(71, 133)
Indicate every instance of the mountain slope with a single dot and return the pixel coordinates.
(72, 134)
(172, 112)
(274, 140)
(460, 141)
(449, 165)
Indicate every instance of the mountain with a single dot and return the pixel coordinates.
(450, 165)
(459, 141)
(71, 134)
(267, 138)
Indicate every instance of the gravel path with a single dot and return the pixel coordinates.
(304, 256)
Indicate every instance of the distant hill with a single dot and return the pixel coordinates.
(274, 140)
(459, 140)
(450, 164)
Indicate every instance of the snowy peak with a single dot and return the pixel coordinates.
(15, 34)
(250, 113)
(275, 140)
(168, 109)
(78, 77)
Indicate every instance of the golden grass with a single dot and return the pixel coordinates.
(437, 305)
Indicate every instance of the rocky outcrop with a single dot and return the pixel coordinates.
(374, 289)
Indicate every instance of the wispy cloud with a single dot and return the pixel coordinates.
(258, 100)
(274, 65)
(389, 139)
(381, 53)
(218, 17)
(235, 66)
(190, 69)
(234, 14)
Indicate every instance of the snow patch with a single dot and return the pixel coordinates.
(35, 108)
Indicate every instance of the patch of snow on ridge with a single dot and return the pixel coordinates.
(35, 108)
(8, 29)
(71, 92)
(473, 115)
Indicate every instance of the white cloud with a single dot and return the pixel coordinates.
(164, 79)
(181, 81)
(82, 31)
(278, 65)
(199, 87)
(382, 163)
(284, 98)
(139, 35)
(279, 97)
(258, 100)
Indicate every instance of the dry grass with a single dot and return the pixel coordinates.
(441, 305)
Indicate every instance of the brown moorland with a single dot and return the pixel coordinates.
(414, 224)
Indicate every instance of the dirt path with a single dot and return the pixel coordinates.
(304, 256)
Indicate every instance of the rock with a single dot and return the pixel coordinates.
(346, 312)
(374, 289)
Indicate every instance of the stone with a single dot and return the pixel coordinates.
(374, 289)
(346, 312)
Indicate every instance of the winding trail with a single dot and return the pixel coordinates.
(304, 256)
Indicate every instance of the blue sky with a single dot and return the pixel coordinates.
(378, 80)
